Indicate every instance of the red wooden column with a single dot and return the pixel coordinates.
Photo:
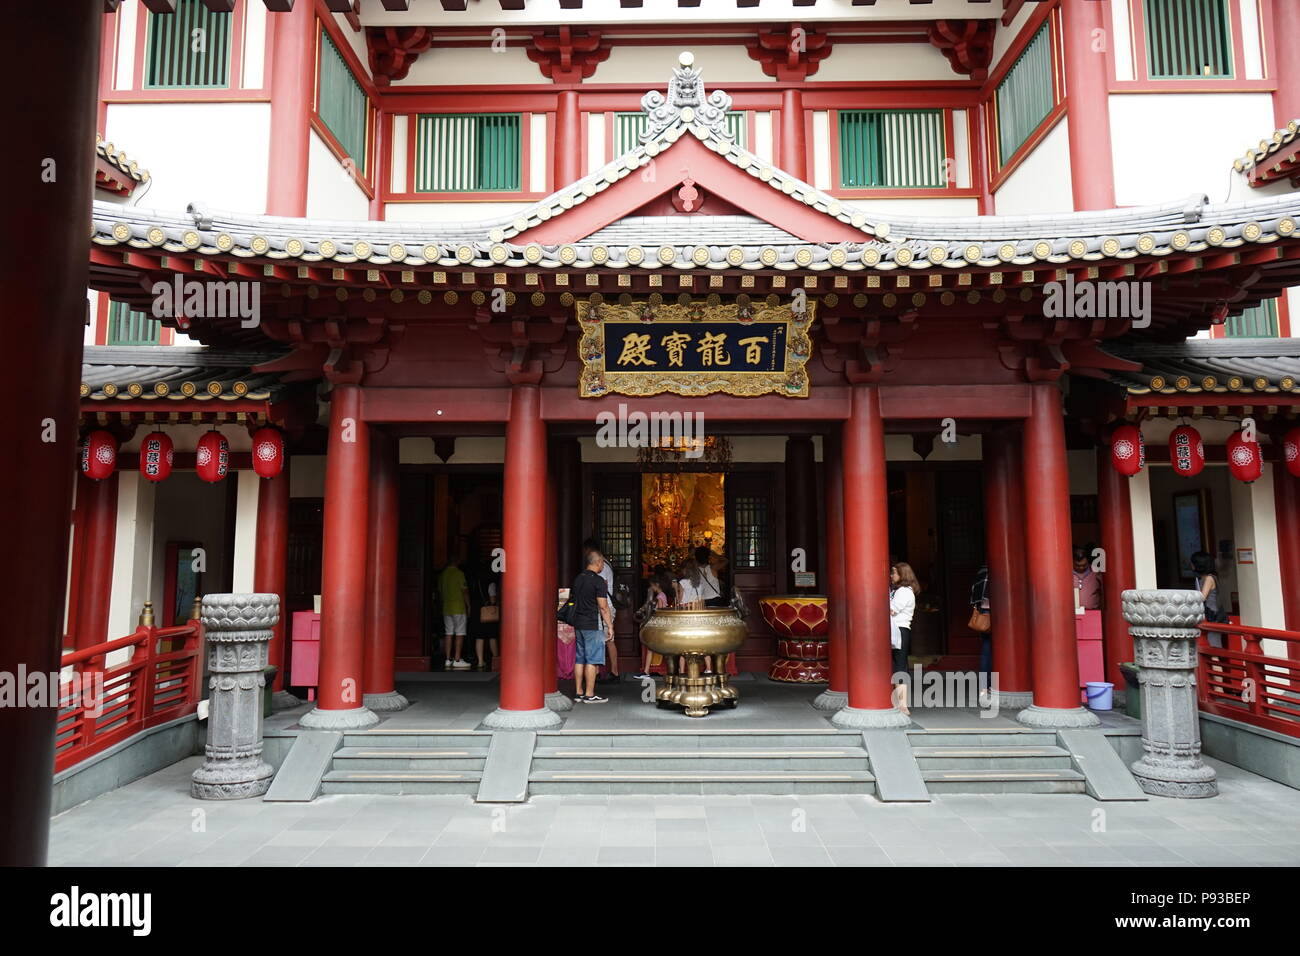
(95, 541)
(293, 84)
(381, 578)
(1004, 535)
(343, 568)
(568, 140)
(269, 568)
(866, 567)
(1286, 499)
(1286, 27)
(1092, 168)
(552, 696)
(523, 586)
(1116, 515)
(794, 147)
(46, 244)
(836, 694)
(1047, 550)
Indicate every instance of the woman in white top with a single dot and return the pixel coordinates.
(902, 605)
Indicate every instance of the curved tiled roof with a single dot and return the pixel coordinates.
(118, 160)
(1214, 366)
(1267, 147)
(173, 372)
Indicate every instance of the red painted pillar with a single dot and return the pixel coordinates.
(381, 578)
(1116, 514)
(272, 557)
(1087, 84)
(97, 539)
(45, 242)
(567, 167)
(1047, 550)
(1286, 499)
(523, 599)
(293, 83)
(1004, 535)
(794, 146)
(343, 568)
(982, 159)
(550, 683)
(836, 694)
(1286, 27)
(381, 165)
(866, 567)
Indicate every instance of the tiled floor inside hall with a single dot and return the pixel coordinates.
(154, 821)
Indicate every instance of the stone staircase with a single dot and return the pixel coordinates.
(980, 760)
(700, 761)
(397, 761)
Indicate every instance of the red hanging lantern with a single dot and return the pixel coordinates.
(268, 452)
(1186, 451)
(156, 456)
(1291, 451)
(98, 455)
(1244, 458)
(1128, 452)
(212, 457)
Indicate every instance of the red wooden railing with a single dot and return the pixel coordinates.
(1243, 683)
(101, 705)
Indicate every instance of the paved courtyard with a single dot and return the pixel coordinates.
(154, 822)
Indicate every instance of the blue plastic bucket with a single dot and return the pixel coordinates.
(1099, 693)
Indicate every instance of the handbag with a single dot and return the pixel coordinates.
(979, 622)
(489, 614)
(568, 613)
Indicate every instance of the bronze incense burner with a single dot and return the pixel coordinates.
(715, 631)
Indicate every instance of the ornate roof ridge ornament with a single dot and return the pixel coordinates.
(685, 102)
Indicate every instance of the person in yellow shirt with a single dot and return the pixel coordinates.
(455, 613)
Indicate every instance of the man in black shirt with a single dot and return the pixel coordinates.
(590, 596)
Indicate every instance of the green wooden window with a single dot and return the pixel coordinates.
(188, 49)
(129, 327)
(628, 128)
(341, 102)
(468, 152)
(1259, 322)
(1024, 97)
(1188, 38)
(892, 149)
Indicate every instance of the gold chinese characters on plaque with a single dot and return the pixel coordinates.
(647, 349)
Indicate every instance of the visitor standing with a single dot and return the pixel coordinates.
(1087, 583)
(710, 587)
(1207, 582)
(981, 622)
(454, 593)
(487, 626)
(591, 605)
(902, 606)
(607, 572)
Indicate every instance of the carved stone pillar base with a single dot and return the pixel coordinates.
(541, 719)
(557, 702)
(387, 703)
(1057, 718)
(353, 718)
(856, 718)
(831, 700)
(1012, 699)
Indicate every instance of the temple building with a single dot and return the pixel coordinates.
(821, 286)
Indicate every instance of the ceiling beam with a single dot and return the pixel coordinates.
(160, 6)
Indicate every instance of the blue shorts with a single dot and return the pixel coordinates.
(589, 647)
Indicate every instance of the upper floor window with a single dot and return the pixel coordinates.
(341, 103)
(1188, 38)
(129, 327)
(892, 149)
(1257, 322)
(628, 128)
(468, 152)
(188, 49)
(1026, 95)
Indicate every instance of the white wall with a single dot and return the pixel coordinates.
(245, 531)
(450, 211)
(1169, 146)
(214, 153)
(652, 66)
(1042, 182)
(132, 553)
(459, 66)
(1254, 526)
(331, 191)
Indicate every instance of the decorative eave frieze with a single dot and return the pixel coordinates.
(567, 55)
(790, 55)
(968, 45)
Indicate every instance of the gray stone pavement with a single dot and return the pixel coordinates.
(154, 822)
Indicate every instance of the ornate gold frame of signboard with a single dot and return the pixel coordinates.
(595, 382)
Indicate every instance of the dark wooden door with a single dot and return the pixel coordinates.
(302, 574)
(413, 588)
(959, 500)
(756, 559)
(616, 523)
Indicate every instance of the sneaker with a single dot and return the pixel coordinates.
(640, 676)
(595, 699)
(580, 698)
(461, 665)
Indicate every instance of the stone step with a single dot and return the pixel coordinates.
(704, 739)
(1003, 781)
(701, 781)
(409, 758)
(992, 758)
(961, 737)
(378, 737)
(700, 758)
(401, 781)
